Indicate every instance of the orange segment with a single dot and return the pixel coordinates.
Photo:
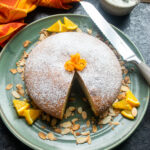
(123, 104)
(64, 29)
(81, 65)
(20, 106)
(31, 115)
(69, 65)
(56, 27)
(69, 24)
(127, 114)
(75, 58)
(131, 99)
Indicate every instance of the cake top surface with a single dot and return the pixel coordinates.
(49, 82)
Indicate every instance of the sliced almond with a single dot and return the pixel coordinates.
(78, 133)
(9, 86)
(13, 71)
(72, 108)
(122, 96)
(19, 86)
(57, 130)
(43, 127)
(105, 120)
(112, 112)
(114, 123)
(22, 62)
(21, 92)
(20, 70)
(89, 31)
(124, 88)
(89, 139)
(67, 124)
(81, 140)
(127, 80)
(125, 71)
(74, 120)
(15, 94)
(26, 43)
(68, 113)
(84, 115)
(53, 122)
(25, 54)
(76, 127)
(79, 110)
(42, 135)
(94, 128)
(51, 136)
(85, 133)
(88, 123)
(134, 112)
(65, 131)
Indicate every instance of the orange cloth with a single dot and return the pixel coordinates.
(12, 13)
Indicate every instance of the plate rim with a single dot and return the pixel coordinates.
(30, 144)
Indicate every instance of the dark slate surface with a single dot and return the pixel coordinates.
(137, 27)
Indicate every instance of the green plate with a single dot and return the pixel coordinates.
(104, 138)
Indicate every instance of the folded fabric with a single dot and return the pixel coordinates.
(12, 13)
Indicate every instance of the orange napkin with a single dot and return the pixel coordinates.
(12, 13)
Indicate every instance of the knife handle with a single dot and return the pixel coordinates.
(145, 70)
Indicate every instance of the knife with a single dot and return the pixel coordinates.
(118, 43)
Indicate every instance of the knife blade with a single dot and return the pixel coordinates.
(117, 42)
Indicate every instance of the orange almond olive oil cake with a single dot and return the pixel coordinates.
(49, 83)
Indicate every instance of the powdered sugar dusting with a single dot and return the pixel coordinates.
(48, 82)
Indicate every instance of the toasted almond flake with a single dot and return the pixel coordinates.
(25, 54)
(89, 139)
(65, 131)
(84, 115)
(79, 110)
(72, 108)
(124, 88)
(88, 123)
(20, 70)
(15, 94)
(84, 128)
(134, 112)
(74, 120)
(81, 140)
(9, 86)
(121, 96)
(72, 99)
(112, 112)
(21, 92)
(78, 30)
(85, 133)
(89, 31)
(51, 136)
(94, 128)
(114, 123)
(78, 133)
(22, 62)
(42, 135)
(13, 71)
(22, 76)
(122, 63)
(53, 122)
(67, 114)
(105, 120)
(57, 130)
(76, 127)
(26, 43)
(19, 86)
(67, 124)
(127, 80)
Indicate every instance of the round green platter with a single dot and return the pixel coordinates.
(104, 138)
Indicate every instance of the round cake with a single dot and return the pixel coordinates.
(49, 84)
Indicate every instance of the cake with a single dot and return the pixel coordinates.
(49, 84)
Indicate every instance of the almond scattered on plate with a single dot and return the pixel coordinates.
(76, 127)
(26, 43)
(81, 140)
(15, 94)
(51, 136)
(13, 71)
(42, 135)
(67, 124)
(9, 86)
(84, 115)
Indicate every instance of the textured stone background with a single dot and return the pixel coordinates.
(137, 27)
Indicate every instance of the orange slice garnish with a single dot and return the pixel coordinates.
(127, 114)
(69, 24)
